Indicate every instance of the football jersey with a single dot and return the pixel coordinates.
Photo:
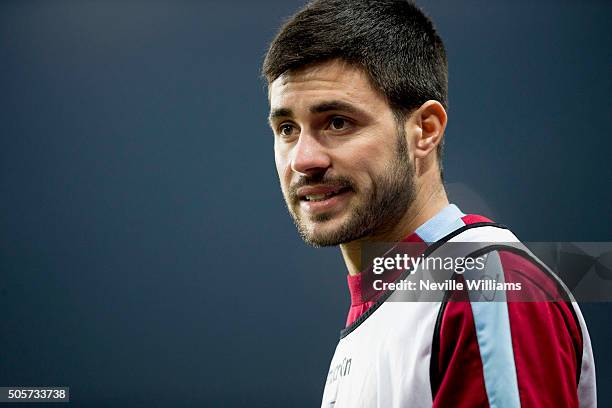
(446, 353)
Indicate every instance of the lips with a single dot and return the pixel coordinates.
(319, 193)
(323, 199)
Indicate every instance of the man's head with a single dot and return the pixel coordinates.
(352, 87)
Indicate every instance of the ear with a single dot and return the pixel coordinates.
(431, 119)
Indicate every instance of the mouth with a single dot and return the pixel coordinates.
(318, 199)
(313, 197)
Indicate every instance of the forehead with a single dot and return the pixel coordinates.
(332, 80)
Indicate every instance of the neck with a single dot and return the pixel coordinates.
(428, 203)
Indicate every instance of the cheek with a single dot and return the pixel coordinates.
(282, 167)
(367, 163)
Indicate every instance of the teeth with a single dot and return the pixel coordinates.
(316, 197)
(320, 197)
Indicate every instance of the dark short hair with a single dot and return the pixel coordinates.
(393, 41)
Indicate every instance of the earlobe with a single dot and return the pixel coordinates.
(432, 119)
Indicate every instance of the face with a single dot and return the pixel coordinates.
(342, 158)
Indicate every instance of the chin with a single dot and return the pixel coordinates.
(324, 233)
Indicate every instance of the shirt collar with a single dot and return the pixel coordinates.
(443, 223)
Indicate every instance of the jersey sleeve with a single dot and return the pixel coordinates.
(508, 353)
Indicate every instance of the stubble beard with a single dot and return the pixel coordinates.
(383, 206)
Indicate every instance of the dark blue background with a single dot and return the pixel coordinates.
(146, 256)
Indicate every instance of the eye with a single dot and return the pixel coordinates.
(286, 129)
(338, 123)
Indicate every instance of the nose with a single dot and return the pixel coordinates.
(309, 155)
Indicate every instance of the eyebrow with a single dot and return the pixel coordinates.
(334, 106)
(321, 107)
(280, 113)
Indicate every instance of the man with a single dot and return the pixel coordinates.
(357, 93)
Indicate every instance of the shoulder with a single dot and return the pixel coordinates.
(522, 345)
